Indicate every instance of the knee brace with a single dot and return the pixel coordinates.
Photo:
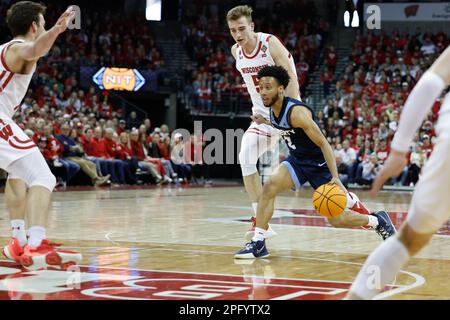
(248, 162)
(33, 170)
(252, 147)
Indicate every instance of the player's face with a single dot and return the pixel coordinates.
(270, 91)
(241, 30)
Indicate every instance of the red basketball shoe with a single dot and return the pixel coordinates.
(46, 255)
(358, 206)
(13, 250)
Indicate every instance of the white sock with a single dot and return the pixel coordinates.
(37, 234)
(18, 231)
(260, 234)
(255, 207)
(351, 199)
(373, 221)
(380, 268)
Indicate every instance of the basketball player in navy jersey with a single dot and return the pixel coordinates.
(311, 160)
(254, 51)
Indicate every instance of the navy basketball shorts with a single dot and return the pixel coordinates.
(314, 171)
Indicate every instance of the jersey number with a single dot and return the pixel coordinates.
(256, 82)
(289, 142)
(6, 132)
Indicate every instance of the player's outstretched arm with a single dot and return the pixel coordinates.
(32, 51)
(301, 118)
(418, 104)
(283, 58)
(420, 101)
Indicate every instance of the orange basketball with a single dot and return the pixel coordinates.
(329, 200)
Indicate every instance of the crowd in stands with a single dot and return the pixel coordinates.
(212, 84)
(361, 116)
(84, 149)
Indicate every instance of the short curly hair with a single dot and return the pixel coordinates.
(277, 72)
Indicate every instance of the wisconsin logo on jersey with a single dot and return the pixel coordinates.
(264, 49)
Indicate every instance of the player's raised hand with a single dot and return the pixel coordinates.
(258, 119)
(393, 166)
(63, 21)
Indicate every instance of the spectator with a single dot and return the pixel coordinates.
(154, 151)
(133, 121)
(342, 170)
(383, 131)
(371, 167)
(124, 153)
(137, 150)
(325, 80)
(148, 126)
(52, 159)
(110, 151)
(96, 152)
(382, 151)
(122, 127)
(180, 164)
(54, 150)
(74, 152)
(427, 147)
(348, 155)
(417, 160)
(164, 131)
(428, 48)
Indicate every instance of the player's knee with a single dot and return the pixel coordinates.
(248, 163)
(248, 156)
(270, 190)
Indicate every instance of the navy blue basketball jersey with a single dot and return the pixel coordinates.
(298, 142)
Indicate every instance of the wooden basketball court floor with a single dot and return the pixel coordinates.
(178, 243)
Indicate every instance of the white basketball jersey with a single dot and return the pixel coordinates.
(13, 86)
(443, 123)
(249, 66)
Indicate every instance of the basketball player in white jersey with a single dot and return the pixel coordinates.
(30, 181)
(254, 51)
(430, 206)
